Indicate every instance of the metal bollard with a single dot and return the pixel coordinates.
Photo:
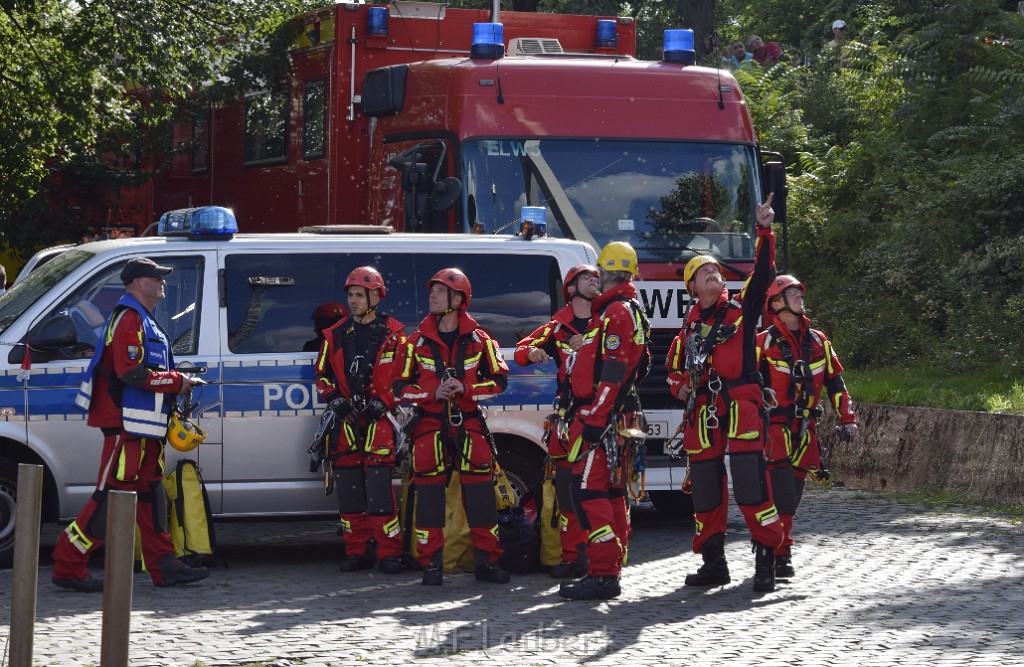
(26, 563)
(117, 587)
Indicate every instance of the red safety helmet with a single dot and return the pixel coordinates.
(455, 280)
(782, 283)
(368, 277)
(327, 314)
(574, 273)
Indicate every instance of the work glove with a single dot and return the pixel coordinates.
(376, 409)
(592, 433)
(341, 407)
(845, 433)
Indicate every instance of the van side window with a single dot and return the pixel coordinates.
(90, 305)
(271, 297)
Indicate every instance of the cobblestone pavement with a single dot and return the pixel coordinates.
(878, 583)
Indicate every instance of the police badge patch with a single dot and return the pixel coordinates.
(133, 352)
(612, 342)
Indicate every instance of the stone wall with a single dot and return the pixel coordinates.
(975, 454)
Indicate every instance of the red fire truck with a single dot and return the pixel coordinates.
(299, 154)
(408, 116)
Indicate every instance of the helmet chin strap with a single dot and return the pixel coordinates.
(370, 307)
(578, 293)
(787, 307)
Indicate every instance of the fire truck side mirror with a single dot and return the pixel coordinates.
(775, 182)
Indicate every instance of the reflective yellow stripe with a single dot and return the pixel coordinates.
(602, 534)
(421, 535)
(767, 516)
(78, 538)
(393, 528)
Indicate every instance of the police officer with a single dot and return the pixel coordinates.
(125, 392)
(797, 362)
(354, 376)
(559, 339)
(727, 411)
(612, 360)
(446, 368)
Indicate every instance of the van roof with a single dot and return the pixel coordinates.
(313, 242)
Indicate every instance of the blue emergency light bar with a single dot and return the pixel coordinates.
(679, 47)
(607, 37)
(201, 222)
(377, 21)
(488, 41)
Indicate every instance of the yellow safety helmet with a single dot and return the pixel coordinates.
(618, 256)
(182, 434)
(700, 260)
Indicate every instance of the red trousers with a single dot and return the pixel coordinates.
(571, 534)
(740, 431)
(437, 449)
(600, 504)
(128, 463)
(367, 451)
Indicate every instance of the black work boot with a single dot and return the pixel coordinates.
(433, 574)
(355, 563)
(174, 572)
(493, 573)
(784, 567)
(89, 584)
(391, 565)
(715, 570)
(569, 569)
(591, 587)
(764, 567)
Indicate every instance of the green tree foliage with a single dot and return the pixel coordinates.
(85, 81)
(905, 208)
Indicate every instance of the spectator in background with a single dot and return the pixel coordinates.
(838, 33)
(764, 54)
(737, 55)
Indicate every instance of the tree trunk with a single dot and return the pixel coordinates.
(699, 15)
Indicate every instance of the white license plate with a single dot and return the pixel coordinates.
(657, 429)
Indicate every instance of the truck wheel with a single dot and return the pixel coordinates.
(524, 474)
(8, 505)
(673, 504)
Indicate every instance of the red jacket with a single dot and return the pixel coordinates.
(553, 338)
(477, 363)
(607, 361)
(734, 359)
(332, 378)
(780, 349)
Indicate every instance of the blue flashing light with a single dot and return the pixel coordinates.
(679, 47)
(198, 222)
(488, 41)
(607, 37)
(377, 23)
(533, 221)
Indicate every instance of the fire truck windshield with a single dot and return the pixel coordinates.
(669, 200)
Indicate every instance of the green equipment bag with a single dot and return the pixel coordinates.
(191, 522)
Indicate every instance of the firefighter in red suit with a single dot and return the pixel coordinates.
(797, 362)
(727, 413)
(612, 360)
(354, 376)
(559, 339)
(126, 393)
(445, 369)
